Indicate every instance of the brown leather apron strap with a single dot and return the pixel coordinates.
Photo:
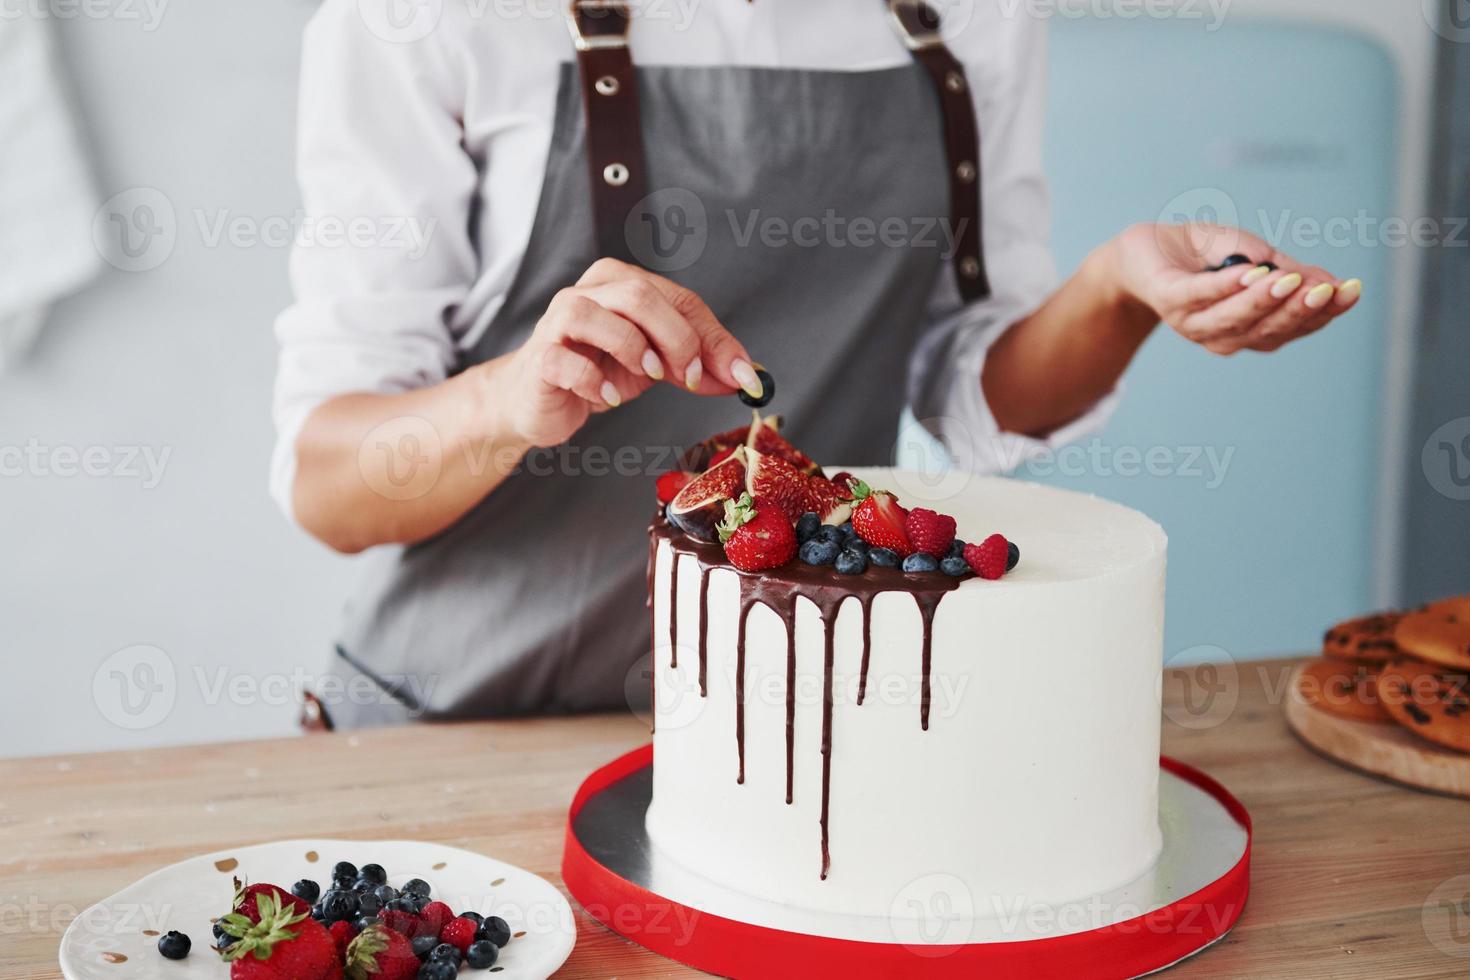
(610, 106)
(918, 25)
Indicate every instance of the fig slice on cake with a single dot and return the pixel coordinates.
(763, 436)
(698, 508)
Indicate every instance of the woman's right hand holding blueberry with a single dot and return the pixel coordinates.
(605, 341)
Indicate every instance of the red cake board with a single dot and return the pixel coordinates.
(726, 947)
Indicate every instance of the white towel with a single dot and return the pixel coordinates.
(46, 192)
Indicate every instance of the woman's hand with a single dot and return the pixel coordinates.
(1244, 307)
(608, 339)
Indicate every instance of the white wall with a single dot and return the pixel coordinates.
(179, 359)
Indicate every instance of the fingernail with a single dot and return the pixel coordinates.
(1350, 290)
(652, 366)
(610, 394)
(749, 380)
(692, 375)
(1286, 285)
(1318, 296)
(1255, 275)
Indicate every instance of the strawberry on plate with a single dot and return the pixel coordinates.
(382, 954)
(756, 535)
(879, 520)
(281, 944)
(247, 897)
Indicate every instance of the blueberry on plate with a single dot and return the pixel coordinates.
(495, 930)
(768, 390)
(956, 550)
(954, 565)
(438, 970)
(423, 945)
(482, 954)
(818, 552)
(419, 902)
(445, 951)
(417, 886)
(883, 557)
(479, 919)
(364, 922)
(344, 869)
(846, 528)
(339, 904)
(1013, 555)
(830, 533)
(920, 562)
(385, 893)
(307, 890)
(222, 938)
(374, 873)
(857, 544)
(174, 945)
(851, 562)
(368, 903)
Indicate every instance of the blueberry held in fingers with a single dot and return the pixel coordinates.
(767, 389)
(1230, 260)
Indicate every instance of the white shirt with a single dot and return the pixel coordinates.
(405, 129)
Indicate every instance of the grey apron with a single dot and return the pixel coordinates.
(535, 601)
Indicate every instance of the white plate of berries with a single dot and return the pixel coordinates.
(326, 910)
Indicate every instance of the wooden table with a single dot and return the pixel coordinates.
(1344, 864)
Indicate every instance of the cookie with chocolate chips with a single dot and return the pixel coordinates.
(1343, 690)
(1363, 639)
(1438, 632)
(1428, 700)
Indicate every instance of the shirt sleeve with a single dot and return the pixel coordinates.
(383, 254)
(944, 391)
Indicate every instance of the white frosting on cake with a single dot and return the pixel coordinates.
(1037, 779)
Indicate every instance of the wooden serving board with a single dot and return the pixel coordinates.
(1385, 750)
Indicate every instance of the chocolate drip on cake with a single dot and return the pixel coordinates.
(866, 600)
(674, 609)
(704, 570)
(779, 590)
(652, 621)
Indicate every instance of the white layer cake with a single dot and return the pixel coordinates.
(1036, 780)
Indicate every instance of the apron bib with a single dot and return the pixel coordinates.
(766, 183)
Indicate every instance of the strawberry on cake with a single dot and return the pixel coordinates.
(865, 678)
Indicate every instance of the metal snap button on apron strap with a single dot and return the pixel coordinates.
(606, 85)
(966, 172)
(969, 267)
(615, 174)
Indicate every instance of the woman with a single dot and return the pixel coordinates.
(485, 410)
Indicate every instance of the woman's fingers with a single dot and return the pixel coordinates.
(581, 318)
(721, 364)
(1238, 314)
(1199, 290)
(673, 338)
(729, 364)
(574, 371)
